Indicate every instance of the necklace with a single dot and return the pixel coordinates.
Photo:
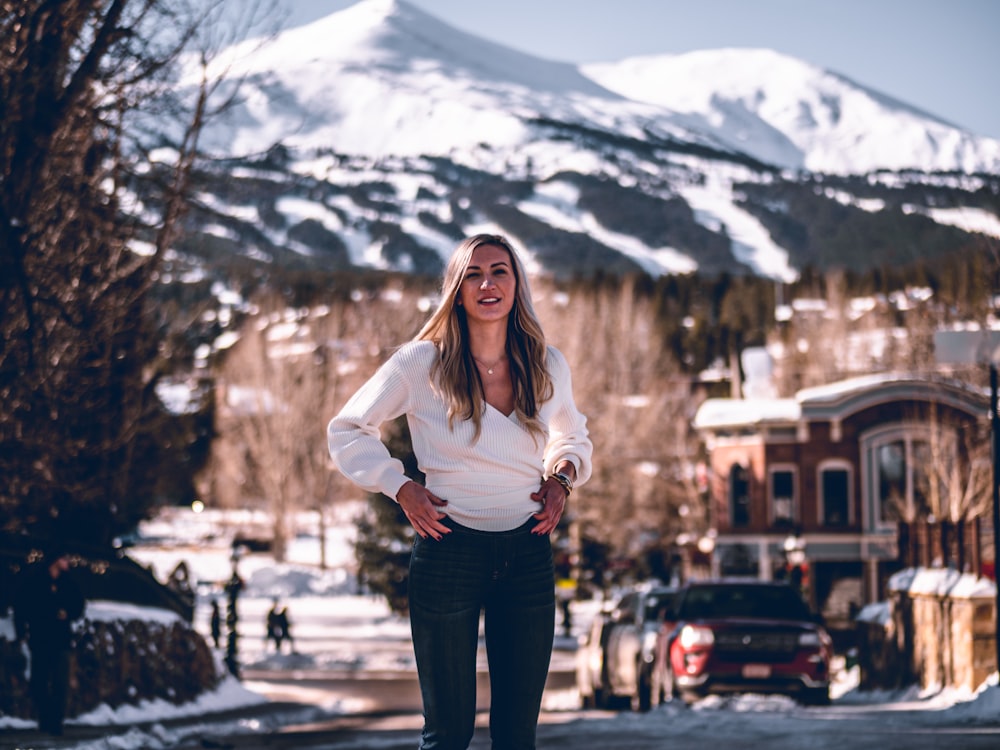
(489, 368)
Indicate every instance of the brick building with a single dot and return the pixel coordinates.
(814, 486)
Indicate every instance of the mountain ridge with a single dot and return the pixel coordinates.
(396, 43)
(387, 62)
(794, 98)
(379, 135)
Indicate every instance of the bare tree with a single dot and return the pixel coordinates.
(262, 391)
(639, 406)
(956, 476)
(279, 386)
(79, 362)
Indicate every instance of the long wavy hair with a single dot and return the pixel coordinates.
(454, 372)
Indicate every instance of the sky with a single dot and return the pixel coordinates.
(938, 56)
(336, 629)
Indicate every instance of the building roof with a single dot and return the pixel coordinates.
(839, 400)
(743, 412)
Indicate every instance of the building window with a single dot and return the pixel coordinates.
(899, 474)
(835, 494)
(901, 467)
(739, 496)
(783, 496)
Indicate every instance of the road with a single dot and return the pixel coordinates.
(379, 692)
(315, 710)
(385, 715)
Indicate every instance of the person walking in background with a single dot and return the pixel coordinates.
(284, 630)
(498, 436)
(215, 623)
(273, 634)
(47, 603)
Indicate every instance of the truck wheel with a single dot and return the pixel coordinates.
(642, 700)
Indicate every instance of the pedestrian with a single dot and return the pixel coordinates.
(284, 627)
(273, 634)
(47, 603)
(497, 434)
(215, 623)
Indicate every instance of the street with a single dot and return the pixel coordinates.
(665, 727)
(316, 709)
(386, 716)
(379, 692)
(350, 684)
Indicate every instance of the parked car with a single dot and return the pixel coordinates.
(615, 657)
(730, 636)
(590, 660)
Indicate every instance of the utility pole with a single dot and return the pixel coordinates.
(233, 588)
(995, 441)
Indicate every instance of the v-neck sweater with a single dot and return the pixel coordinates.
(487, 483)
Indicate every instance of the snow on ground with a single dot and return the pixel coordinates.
(337, 628)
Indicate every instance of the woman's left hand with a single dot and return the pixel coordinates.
(552, 496)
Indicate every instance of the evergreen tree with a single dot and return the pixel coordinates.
(385, 536)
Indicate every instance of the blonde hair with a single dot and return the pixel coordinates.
(454, 372)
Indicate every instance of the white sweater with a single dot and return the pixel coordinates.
(487, 483)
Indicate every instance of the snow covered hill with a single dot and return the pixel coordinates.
(379, 135)
(792, 114)
(385, 78)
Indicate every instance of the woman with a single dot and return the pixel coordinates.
(497, 434)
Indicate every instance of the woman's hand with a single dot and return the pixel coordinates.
(552, 496)
(421, 509)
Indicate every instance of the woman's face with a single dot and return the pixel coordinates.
(489, 286)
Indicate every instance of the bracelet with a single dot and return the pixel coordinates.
(564, 480)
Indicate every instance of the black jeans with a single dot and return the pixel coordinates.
(508, 575)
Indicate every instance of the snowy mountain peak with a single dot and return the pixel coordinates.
(792, 114)
(398, 38)
(383, 77)
(400, 133)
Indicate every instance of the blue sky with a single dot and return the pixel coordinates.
(941, 56)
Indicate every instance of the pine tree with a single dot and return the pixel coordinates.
(385, 536)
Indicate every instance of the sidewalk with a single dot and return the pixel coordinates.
(75, 734)
(292, 726)
(288, 712)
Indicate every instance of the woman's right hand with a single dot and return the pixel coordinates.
(421, 509)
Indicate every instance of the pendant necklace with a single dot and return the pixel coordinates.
(489, 368)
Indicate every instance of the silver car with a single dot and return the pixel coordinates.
(615, 657)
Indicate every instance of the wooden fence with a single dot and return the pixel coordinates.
(966, 546)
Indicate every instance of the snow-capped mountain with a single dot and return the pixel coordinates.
(385, 78)
(789, 113)
(379, 135)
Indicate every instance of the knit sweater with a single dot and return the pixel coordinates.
(487, 483)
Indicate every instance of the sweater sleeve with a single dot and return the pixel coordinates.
(354, 436)
(569, 439)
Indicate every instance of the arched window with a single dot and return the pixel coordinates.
(899, 466)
